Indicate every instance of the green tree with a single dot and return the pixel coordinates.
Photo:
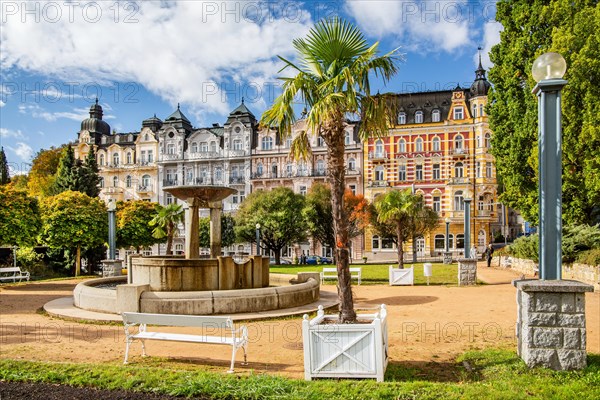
(277, 213)
(19, 217)
(332, 77)
(133, 224)
(165, 223)
(227, 231)
(407, 214)
(74, 220)
(89, 175)
(531, 28)
(19, 182)
(67, 176)
(43, 171)
(4, 173)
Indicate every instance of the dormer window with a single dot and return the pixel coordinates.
(288, 143)
(204, 147)
(101, 160)
(419, 117)
(459, 113)
(171, 148)
(129, 158)
(402, 118)
(267, 143)
(146, 137)
(213, 147)
(435, 116)
(116, 159)
(194, 147)
(237, 144)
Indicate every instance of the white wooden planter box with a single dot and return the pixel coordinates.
(345, 350)
(404, 276)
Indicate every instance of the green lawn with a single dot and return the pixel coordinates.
(379, 273)
(488, 374)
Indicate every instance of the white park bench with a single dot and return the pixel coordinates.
(237, 338)
(331, 273)
(12, 274)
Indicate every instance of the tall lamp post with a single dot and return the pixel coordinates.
(258, 239)
(548, 71)
(447, 255)
(467, 242)
(112, 230)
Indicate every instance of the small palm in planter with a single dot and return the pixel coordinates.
(334, 63)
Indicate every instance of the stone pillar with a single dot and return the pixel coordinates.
(112, 267)
(551, 323)
(192, 229)
(215, 228)
(467, 271)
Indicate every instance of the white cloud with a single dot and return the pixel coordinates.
(23, 150)
(425, 26)
(177, 50)
(491, 37)
(7, 133)
(77, 114)
(2, 104)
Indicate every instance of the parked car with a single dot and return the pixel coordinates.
(282, 261)
(313, 260)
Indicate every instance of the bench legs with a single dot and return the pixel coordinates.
(127, 351)
(235, 349)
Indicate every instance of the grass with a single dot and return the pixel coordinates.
(379, 273)
(488, 374)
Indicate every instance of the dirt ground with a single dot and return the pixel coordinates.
(426, 324)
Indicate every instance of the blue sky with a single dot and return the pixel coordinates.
(144, 57)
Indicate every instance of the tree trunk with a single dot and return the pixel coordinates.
(170, 239)
(334, 139)
(78, 262)
(414, 248)
(399, 246)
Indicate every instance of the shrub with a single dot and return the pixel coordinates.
(525, 247)
(589, 257)
(31, 261)
(578, 239)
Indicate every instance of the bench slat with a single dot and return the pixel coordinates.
(177, 320)
(179, 337)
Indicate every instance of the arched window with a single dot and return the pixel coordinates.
(115, 159)
(450, 241)
(129, 158)
(401, 146)
(488, 140)
(379, 148)
(259, 169)
(474, 110)
(115, 181)
(347, 138)
(402, 118)
(459, 201)
(375, 242)
(481, 110)
(379, 173)
(274, 171)
(419, 117)
(460, 241)
(194, 147)
(267, 143)
(435, 144)
(128, 181)
(101, 160)
(435, 116)
(146, 181)
(458, 170)
(351, 164)
(439, 242)
(458, 142)
(419, 145)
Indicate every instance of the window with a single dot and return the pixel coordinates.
(320, 141)
(128, 181)
(274, 171)
(478, 169)
(481, 110)
(115, 159)
(480, 203)
(237, 144)
(387, 243)
(150, 156)
(459, 113)
(488, 140)
(143, 153)
(419, 117)
(460, 241)
(474, 110)
(171, 148)
(419, 145)
(402, 172)
(435, 144)
(436, 172)
(213, 147)
(437, 203)
(458, 142)
(101, 182)
(488, 169)
(129, 158)
(146, 137)
(101, 160)
(194, 147)
(146, 181)
(189, 175)
(115, 181)
(401, 118)
(351, 164)
(289, 169)
(450, 241)
(204, 147)
(459, 201)
(320, 167)
(419, 172)
(218, 174)
(242, 195)
(435, 116)
(353, 189)
(401, 146)
(267, 143)
(302, 169)
(439, 242)
(375, 242)
(169, 199)
(259, 169)
(379, 148)
(347, 138)
(379, 173)
(288, 142)
(458, 170)
(303, 190)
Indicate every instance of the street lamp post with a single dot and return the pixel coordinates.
(258, 239)
(467, 241)
(112, 208)
(447, 254)
(548, 71)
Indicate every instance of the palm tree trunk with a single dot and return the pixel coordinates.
(336, 175)
(170, 239)
(400, 249)
(78, 262)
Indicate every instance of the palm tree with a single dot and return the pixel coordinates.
(165, 222)
(332, 79)
(408, 214)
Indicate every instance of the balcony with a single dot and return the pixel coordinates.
(205, 155)
(237, 180)
(113, 190)
(237, 153)
(459, 151)
(171, 157)
(376, 184)
(145, 189)
(458, 181)
(145, 163)
(485, 213)
(378, 156)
